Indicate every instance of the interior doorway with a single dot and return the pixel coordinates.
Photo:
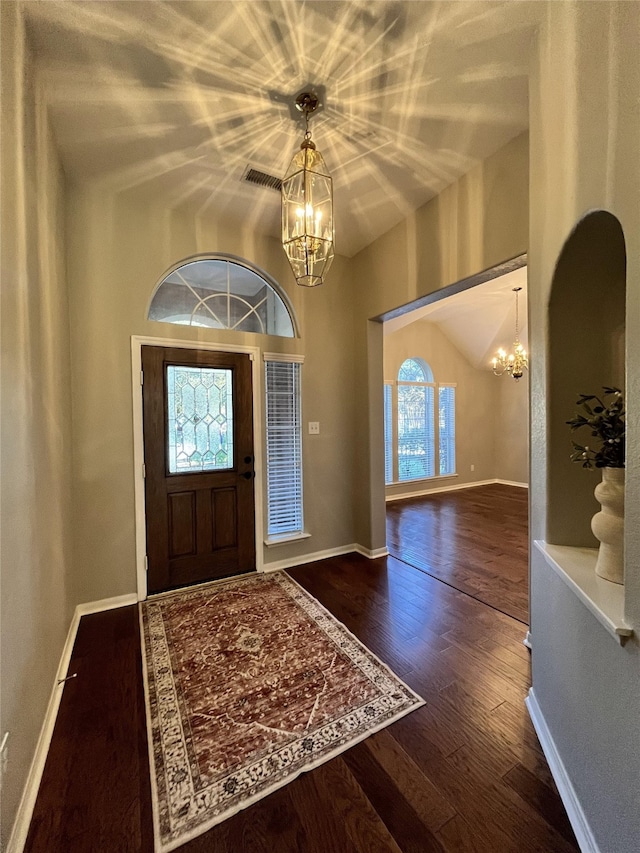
(464, 519)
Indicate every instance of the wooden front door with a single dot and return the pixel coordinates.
(198, 453)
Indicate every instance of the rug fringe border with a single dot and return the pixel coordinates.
(155, 805)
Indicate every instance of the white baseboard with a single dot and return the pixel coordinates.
(422, 492)
(107, 604)
(20, 830)
(307, 558)
(290, 562)
(371, 555)
(18, 836)
(577, 818)
(528, 641)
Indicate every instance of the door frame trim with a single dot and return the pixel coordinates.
(137, 342)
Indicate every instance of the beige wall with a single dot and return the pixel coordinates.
(511, 429)
(119, 247)
(585, 144)
(476, 396)
(36, 414)
(476, 223)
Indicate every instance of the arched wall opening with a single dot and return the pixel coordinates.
(586, 353)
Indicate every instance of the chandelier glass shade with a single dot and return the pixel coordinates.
(307, 209)
(516, 362)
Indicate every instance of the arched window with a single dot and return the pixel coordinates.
(415, 370)
(424, 444)
(222, 292)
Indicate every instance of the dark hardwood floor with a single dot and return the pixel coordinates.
(473, 539)
(464, 773)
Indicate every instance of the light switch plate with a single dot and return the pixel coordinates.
(314, 428)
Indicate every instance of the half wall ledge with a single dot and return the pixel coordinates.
(576, 567)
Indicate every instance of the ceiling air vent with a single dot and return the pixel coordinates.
(262, 179)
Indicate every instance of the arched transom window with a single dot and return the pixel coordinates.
(415, 370)
(221, 292)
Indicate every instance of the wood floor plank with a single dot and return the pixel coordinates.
(274, 825)
(313, 800)
(507, 651)
(473, 802)
(540, 797)
(421, 794)
(518, 819)
(515, 722)
(513, 669)
(409, 832)
(464, 664)
(355, 811)
(458, 836)
(101, 724)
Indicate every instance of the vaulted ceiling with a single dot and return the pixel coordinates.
(478, 321)
(176, 99)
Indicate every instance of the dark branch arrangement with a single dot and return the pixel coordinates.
(604, 416)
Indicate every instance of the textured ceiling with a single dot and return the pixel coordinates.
(175, 99)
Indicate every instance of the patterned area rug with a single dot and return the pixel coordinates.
(249, 683)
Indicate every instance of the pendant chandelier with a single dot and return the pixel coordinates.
(514, 363)
(307, 207)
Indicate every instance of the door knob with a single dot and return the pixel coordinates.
(248, 475)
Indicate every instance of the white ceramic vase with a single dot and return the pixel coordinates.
(608, 525)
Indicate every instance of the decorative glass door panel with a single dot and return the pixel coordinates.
(199, 419)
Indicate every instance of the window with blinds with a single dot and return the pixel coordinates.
(284, 448)
(388, 433)
(447, 429)
(419, 439)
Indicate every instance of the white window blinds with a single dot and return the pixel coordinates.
(284, 448)
(447, 429)
(416, 450)
(388, 433)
